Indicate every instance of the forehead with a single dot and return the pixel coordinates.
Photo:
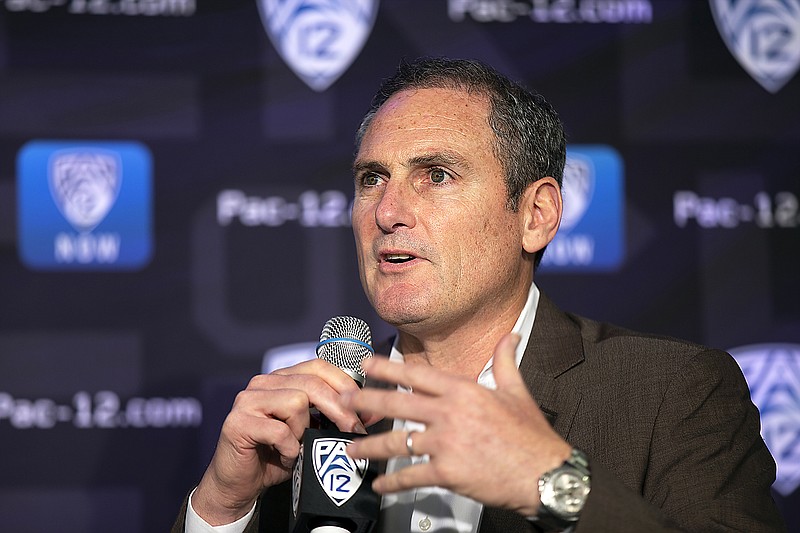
(432, 118)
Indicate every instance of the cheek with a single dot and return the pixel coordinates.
(357, 216)
(360, 221)
(498, 237)
(362, 247)
(472, 248)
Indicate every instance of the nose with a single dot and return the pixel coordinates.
(395, 209)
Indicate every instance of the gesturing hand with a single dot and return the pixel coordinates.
(489, 445)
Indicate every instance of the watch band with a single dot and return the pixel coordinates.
(550, 517)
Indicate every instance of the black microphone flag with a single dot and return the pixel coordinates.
(331, 491)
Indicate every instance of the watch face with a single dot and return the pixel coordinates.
(566, 493)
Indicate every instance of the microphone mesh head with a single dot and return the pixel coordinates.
(345, 342)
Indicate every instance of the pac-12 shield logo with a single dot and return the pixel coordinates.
(773, 375)
(318, 39)
(591, 237)
(85, 184)
(763, 36)
(339, 475)
(84, 205)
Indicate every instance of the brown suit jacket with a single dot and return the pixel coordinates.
(672, 436)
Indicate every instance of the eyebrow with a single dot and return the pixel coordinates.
(444, 158)
(368, 166)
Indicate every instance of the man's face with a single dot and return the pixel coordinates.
(436, 245)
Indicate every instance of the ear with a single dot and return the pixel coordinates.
(540, 207)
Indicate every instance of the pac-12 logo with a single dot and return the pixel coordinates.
(773, 375)
(763, 36)
(318, 39)
(339, 475)
(84, 205)
(84, 185)
(591, 237)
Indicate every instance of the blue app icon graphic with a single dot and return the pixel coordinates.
(592, 233)
(84, 205)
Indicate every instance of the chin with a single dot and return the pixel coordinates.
(400, 313)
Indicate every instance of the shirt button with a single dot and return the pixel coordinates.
(425, 524)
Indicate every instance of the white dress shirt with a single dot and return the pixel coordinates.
(426, 509)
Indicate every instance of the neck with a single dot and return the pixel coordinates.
(462, 349)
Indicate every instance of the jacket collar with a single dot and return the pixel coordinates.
(555, 347)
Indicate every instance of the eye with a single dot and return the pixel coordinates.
(439, 175)
(370, 179)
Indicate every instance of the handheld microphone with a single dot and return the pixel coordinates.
(345, 342)
(331, 492)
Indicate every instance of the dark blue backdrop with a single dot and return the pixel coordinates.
(136, 298)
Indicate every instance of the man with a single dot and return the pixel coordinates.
(457, 194)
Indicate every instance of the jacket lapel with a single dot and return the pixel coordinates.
(555, 347)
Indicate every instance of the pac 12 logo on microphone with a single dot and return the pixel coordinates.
(339, 475)
(591, 237)
(84, 205)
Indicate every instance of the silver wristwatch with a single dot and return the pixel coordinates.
(563, 492)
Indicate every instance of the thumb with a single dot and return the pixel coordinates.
(506, 373)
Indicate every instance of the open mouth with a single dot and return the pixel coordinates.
(397, 259)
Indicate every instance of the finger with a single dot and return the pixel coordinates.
(392, 404)
(248, 442)
(385, 445)
(289, 406)
(423, 379)
(331, 374)
(504, 366)
(341, 383)
(273, 433)
(322, 390)
(413, 476)
(369, 418)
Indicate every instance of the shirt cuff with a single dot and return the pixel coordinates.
(195, 524)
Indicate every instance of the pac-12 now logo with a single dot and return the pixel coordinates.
(773, 374)
(338, 474)
(763, 36)
(592, 233)
(84, 205)
(318, 39)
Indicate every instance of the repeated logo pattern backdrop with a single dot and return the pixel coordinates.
(175, 194)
